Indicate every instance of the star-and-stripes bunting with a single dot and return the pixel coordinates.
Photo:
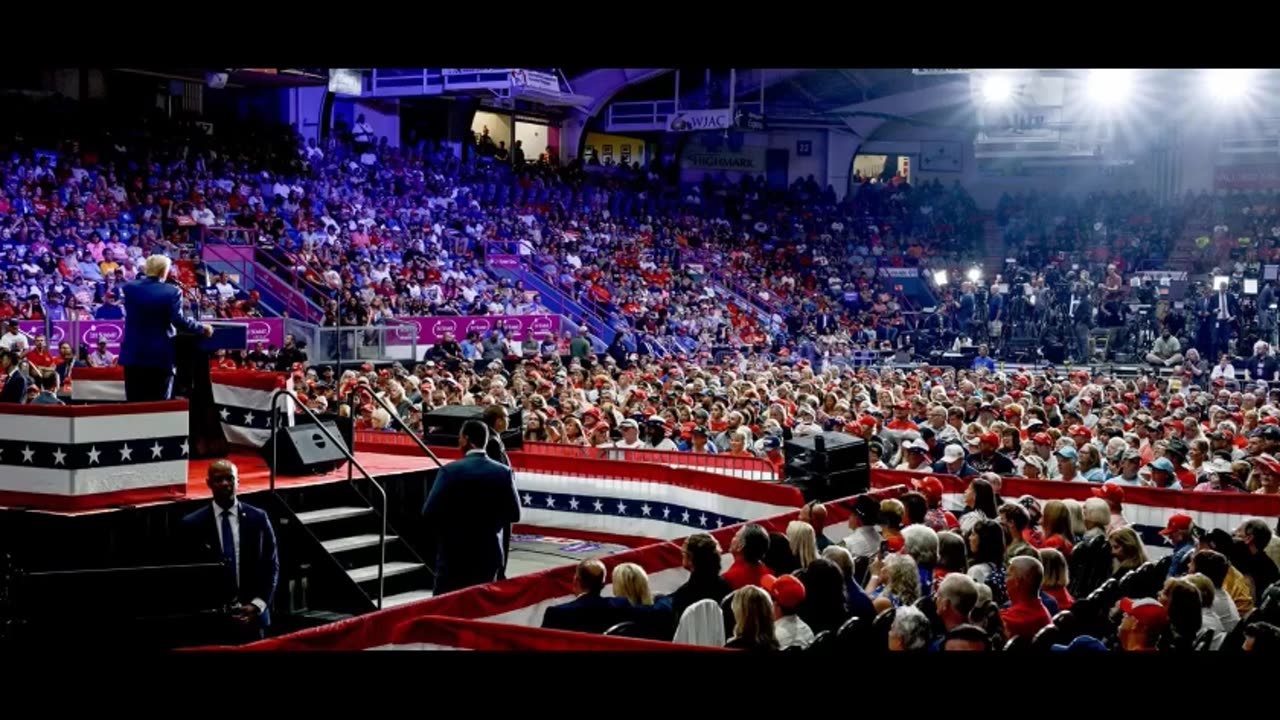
(520, 602)
(76, 457)
(242, 399)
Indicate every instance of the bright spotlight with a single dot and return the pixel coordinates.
(1110, 86)
(1229, 84)
(940, 277)
(1220, 281)
(974, 274)
(996, 89)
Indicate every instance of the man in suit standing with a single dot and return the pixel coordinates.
(14, 369)
(589, 612)
(497, 419)
(154, 312)
(240, 535)
(472, 502)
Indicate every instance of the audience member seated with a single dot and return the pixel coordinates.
(753, 625)
(653, 618)
(589, 612)
(748, 548)
(701, 557)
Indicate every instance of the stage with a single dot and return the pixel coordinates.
(255, 476)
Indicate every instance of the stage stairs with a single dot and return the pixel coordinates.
(332, 533)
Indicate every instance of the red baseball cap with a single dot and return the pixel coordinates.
(1269, 462)
(1051, 400)
(1042, 439)
(1270, 420)
(867, 420)
(1147, 611)
(1121, 408)
(989, 438)
(1111, 492)
(903, 405)
(787, 591)
(1178, 521)
(1176, 402)
(930, 487)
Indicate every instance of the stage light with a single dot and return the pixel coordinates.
(1220, 281)
(996, 89)
(940, 277)
(1229, 84)
(1109, 86)
(1251, 286)
(974, 274)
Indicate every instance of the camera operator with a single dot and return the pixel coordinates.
(1113, 316)
(1166, 351)
(1080, 314)
(1266, 309)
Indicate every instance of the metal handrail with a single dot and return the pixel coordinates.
(351, 458)
(417, 439)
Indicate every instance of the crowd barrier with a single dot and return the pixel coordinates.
(1146, 509)
(521, 601)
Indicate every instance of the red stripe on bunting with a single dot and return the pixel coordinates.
(631, 541)
(1012, 487)
(102, 374)
(479, 635)
(80, 411)
(250, 379)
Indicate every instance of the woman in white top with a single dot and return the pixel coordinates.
(1224, 370)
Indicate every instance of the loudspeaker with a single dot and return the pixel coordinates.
(305, 450)
(829, 466)
(442, 425)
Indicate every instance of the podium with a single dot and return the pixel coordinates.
(192, 381)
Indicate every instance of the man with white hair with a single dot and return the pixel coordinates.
(147, 353)
(956, 597)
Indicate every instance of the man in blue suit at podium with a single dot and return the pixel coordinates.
(153, 315)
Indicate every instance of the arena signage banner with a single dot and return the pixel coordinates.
(697, 120)
(504, 262)
(1247, 177)
(535, 80)
(749, 159)
(268, 330)
(431, 330)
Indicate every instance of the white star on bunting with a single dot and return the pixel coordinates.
(528, 499)
(719, 522)
(702, 519)
(622, 508)
(126, 453)
(248, 418)
(27, 454)
(684, 516)
(599, 506)
(224, 414)
(551, 502)
(185, 448)
(644, 509)
(666, 513)
(156, 450)
(93, 454)
(59, 457)
(573, 503)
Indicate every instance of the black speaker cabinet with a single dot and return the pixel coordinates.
(306, 450)
(830, 466)
(442, 425)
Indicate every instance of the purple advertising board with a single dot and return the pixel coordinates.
(431, 330)
(293, 299)
(504, 262)
(269, 330)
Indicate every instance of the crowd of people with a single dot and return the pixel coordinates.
(911, 576)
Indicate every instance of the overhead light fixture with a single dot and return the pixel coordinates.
(940, 277)
(996, 89)
(974, 274)
(1226, 85)
(1109, 86)
(1220, 281)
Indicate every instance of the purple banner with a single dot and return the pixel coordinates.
(504, 262)
(90, 331)
(269, 330)
(431, 330)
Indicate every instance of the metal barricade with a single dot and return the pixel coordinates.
(393, 340)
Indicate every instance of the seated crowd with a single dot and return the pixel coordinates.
(912, 577)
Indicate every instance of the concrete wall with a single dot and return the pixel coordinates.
(802, 167)
(383, 116)
(306, 105)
